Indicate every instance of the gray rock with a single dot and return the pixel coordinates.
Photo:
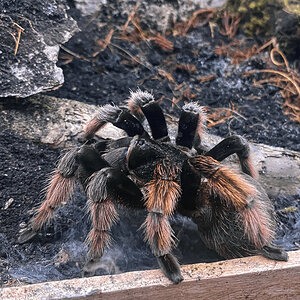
(158, 14)
(89, 7)
(45, 26)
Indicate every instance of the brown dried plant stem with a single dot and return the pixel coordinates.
(17, 40)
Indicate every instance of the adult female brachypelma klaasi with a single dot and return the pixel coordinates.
(234, 215)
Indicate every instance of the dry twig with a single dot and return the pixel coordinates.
(287, 80)
(219, 115)
(18, 38)
(230, 24)
(162, 42)
(104, 43)
(238, 53)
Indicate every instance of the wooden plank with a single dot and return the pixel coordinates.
(244, 278)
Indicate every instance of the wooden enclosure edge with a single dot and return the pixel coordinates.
(244, 278)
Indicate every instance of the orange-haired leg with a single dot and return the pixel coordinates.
(240, 218)
(59, 191)
(162, 194)
(230, 186)
(105, 187)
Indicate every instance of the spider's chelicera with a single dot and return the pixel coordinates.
(234, 215)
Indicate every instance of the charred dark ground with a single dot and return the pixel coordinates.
(59, 252)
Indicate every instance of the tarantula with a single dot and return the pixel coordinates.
(234, 215)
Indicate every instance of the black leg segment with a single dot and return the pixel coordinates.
(170, 267)
(144, 102)
(234, 144)
(191, 125)
(156, 120)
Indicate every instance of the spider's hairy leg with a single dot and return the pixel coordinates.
(275, 253)
(120, 118)
(106, 187)
(162, 194)
(230, 186)
(191, 125)
(143, 103)
(240, 216)
(59, 191)
(79, 163)
(235, 144)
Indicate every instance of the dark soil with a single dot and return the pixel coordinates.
(109, 76)
(59, 251)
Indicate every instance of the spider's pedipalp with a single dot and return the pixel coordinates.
(191, 125)
(120, 118)
(106, 114)
(235, 144)
(138, 99)
(143, 102)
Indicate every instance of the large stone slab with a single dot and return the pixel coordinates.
(60, 123)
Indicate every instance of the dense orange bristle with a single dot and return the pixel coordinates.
(59, 191)
(92, 127)
(230, 186)
(258, 225)
(162, 194)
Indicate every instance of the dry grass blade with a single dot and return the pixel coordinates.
(163, 43)
(203, 79)
(238, 53)
(130, 17)
(73, 53)
(288, 80)
(134, 59)
(220, 115)
(194, 20)
(17, 40)
(166, 75)
(104, 43)
(285, 75)
(190, 68)
(235, 51)
(230, 25)
(137, 34)
(285, 63)
(206, 14)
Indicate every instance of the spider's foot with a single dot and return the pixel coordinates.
(275, 253)
(27, 235)
(170, 268)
